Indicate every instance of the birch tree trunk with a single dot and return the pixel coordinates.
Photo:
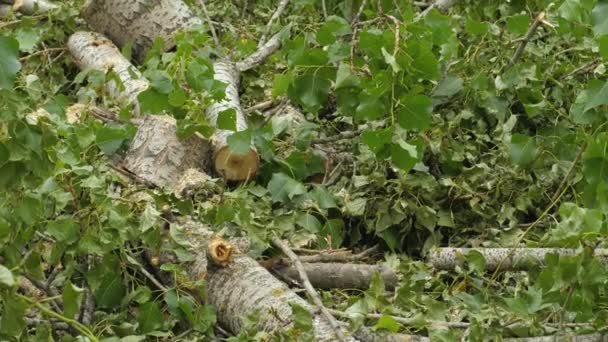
(231, 166)
(159, 157)
(511, 258)
(140, 22)
(31, 6)
(94, 51)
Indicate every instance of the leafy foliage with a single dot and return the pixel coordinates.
(456, 147)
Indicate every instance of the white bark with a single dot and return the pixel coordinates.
(159, 157)
(5, 10)
(231, 166)
(561, 338)
(245, 288)
(444, 5)
(449, 258)
(31, 6)
(92, 50)
(262, 53)
(277, 13)
(140, 21)
(339, 275)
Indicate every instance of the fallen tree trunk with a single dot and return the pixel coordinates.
(31, 6)
(241, 287)
(341, 276)
(511, 258)
(94, 51)
(159, 157)
(232, 166)
(140, 22)
(125, 22)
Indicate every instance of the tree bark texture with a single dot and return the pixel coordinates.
(92, 50)
(231, 166)
(140, 22)
(158, 156)
(342, 276)
(244, 288)
(5, 10)
(511, 258)
(31, 6)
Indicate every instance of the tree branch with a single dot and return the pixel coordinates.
(522, 45)
(309, 289)
(277, 13)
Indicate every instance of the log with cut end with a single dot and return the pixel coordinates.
(342, 276)
(140, 22)
(511, 258)
(92, 50)
(158, 156)
(31, 6)
(230, 165)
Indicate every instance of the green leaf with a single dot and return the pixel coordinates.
(111, 291)
(523, 149)
(345, 78)
(160, 81)
(281, 84)
(64, 230)
(13, 311)
(371, 107)
(152, 101)
(323, 198)
(177, 97)
(302, 322)
(309, 222)
(227, 119)
(415, 112)
(575, 10)
(283, 188)
(448, 87)
(599, 18)
(603, 46)
(332, 234)
(390, 60)
(378, 141)
(109, 138)
(334, 27)
(476, 27)
(150, 318)
(518, 24)
(406, 154)
(71, 296)
(240, 142)
(388, 323)
(9, 61)
(6, 277)
(311, 91)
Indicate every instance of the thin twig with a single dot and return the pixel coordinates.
(54, 273)
(355, 26)
(397, 23)
(260, 106)
(147, 274)
(339, 136)
(582, 68)
(522, 45)
(564, 181)
(82, 329)
(50, 291)
(308, 286)
(277, 13)
(343, 256)
(556, 196)
(40, 52)
(211, 27)
(324, 7)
